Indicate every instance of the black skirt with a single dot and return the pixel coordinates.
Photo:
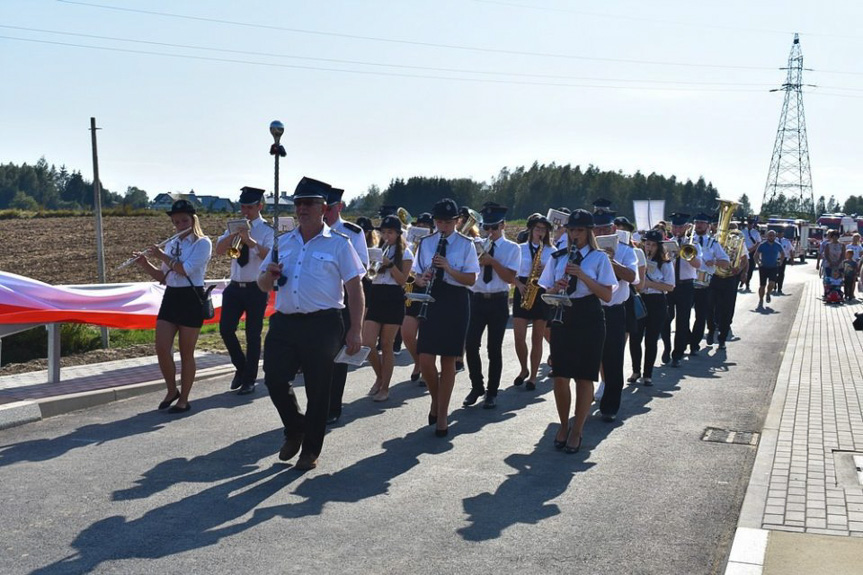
(538, 311)
(182, 306)
(367, 284)
(386, 304)
(444, 330)
(576, 345)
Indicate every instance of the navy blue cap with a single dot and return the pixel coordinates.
(391, 222)
(334, 196)
(538, 219)
(182, 207)
(311, 188)
(424, 219)
(445, 209)
(679, 219)
(387, 210)
(249, 196)
(580, 219)
(603, 217)
(623, 222)
(365, 223)
(701, 217)
(601, 204)
(653, 236)
(493, 214)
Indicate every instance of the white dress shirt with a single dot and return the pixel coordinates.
(358, 240)
(261, 233)
(316, 271)
(595, 264)
(660, 274)
(194, 253)
(460, 253)
(751, 237)
(787, 248)
(711, 250)
(384, 277)
(624, 255)
(508, 253)
(526, 263)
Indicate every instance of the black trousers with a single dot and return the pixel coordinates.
(679, 312)
(310, 342)
(724, 298)
(340, 370)
(236, 301)
(701, 304)
(491, 313)
(751, 270)
(780, 275)
(649, 330)
(613, 351)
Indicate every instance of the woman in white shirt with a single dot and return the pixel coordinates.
(656, 282)
(584, 274)
(536, 244)
(385, 304)
(183, 267)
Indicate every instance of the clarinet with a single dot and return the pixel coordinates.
(570, 258)
(424, 308)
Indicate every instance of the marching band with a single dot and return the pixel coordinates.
(584, 281)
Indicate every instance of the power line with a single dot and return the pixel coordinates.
(411, 42)
(377, 64)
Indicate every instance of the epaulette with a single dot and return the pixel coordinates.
(337, 233)
(559, 253)
(353, 227)
(431, 235)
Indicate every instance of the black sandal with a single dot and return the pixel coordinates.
(167, 403)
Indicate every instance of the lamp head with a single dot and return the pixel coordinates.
(277, 129)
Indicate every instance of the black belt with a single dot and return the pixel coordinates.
(244, 284)
(492, 295)
(685, 281)
(314, 314)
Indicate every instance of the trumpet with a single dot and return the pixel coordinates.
(176, 236)
(236, 226)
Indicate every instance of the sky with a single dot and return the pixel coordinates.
(370, 90)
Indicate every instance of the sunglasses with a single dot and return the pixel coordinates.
(306, 202)
(493, 227)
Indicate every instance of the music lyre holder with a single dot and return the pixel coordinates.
(557, 300)
(419, 297)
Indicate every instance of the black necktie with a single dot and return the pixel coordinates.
(677, 262)
(438, 273)
(486, 271)
(573, 280)
(244, 255)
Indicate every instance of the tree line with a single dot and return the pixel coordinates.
(46, 187)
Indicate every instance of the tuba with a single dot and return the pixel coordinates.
(404, 217)
(730, 240)
(473, 221)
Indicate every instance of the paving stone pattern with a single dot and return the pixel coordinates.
(823, 412)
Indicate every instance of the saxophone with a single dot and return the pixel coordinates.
(532, 289)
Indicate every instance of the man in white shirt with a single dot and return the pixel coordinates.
(315, 268)
(751, 237)
(713, 256)
(243, 295)
(680, 300)
(489, 304)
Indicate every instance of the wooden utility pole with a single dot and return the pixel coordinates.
(97, 209)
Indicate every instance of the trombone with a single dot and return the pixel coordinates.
(176, 236)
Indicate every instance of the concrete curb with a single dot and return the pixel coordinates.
(749, 536)
(22, 412)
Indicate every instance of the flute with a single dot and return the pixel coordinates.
(176, 236)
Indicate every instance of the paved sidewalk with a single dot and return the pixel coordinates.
(28, 397)
(804, 483)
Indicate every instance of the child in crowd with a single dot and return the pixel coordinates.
(833, 286)
(849, 272)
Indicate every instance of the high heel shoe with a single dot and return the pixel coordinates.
(520, 379)
(167, 403)
(432, 419)
(572, 449)
(415, 376)
(560, 444)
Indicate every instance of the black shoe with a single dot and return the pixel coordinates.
(675, 363)
(432, 419)
(489, 402)
(559, 444)
(415, 376)
(236, 382)
(291, 446)
(459, 366)
(710, 338)
(519, 380)
(178, 409)
(693, 350)
(167, 403)
(608, 417)
(647, 381)
(331, 419)
(530, 385)
(472, 397)
(572, 449)
(721, 345)
(666, 357)
(246, 389)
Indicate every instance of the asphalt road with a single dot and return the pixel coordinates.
(125, 489)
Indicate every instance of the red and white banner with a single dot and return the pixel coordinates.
(128, 306)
